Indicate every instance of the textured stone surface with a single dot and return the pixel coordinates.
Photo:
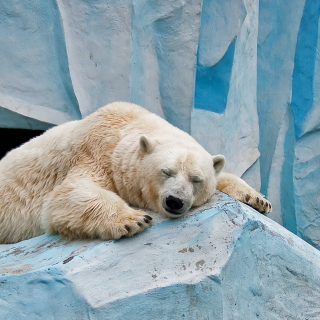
(227, 262)
(241, 76)
(288, 107)
(62, 60)
(225, 120)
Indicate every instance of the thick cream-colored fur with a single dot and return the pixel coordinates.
(78, 179)
(240, 190)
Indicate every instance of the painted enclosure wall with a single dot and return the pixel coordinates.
(242, 76)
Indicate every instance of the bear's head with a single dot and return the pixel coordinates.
(177, 176)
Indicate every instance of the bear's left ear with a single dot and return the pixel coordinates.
(218, 162)
(146, 144)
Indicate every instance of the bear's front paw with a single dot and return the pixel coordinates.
(258, 202)
(127, 225)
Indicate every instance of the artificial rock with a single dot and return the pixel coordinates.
(241, 76)
(225, 262)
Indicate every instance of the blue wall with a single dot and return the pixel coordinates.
(241, 76)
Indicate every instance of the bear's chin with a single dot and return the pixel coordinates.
(174, 214)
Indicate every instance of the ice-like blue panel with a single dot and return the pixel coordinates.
(10, 119)
(307, 189)
(233, 128)
(212, 83)
(221, 263)
(289, 116)
(287, 207)
(216, 53)
(34, 74)
(176, 31)
(304, 65)
(217, 18)
(126, 50)
(61, 60)
(278, 31)
(306, 167)
(242, 76)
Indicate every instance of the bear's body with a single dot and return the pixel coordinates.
(78, 179)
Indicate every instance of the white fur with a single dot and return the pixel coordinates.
(78, 179)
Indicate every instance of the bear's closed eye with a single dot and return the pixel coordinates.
(167, 172)
(196, 179)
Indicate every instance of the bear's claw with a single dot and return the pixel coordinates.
(260, 204)
(131, 224)
(147, 219)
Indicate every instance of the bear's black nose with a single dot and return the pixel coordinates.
(174, 203)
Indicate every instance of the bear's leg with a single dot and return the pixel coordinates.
(82, 209)
(240, 190)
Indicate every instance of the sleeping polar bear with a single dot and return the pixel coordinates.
(79, 178)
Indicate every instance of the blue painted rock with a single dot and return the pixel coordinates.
(223, 262)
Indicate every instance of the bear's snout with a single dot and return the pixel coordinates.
(173, 205)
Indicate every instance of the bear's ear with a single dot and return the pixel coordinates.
(218, 163)
(146, 144)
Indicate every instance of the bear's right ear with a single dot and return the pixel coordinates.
(218, 162)
(146, 144)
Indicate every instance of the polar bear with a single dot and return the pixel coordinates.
(82, 179)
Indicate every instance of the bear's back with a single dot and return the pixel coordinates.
(131, 119)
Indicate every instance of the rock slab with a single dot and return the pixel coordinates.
(225, 262)
(242, 76)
